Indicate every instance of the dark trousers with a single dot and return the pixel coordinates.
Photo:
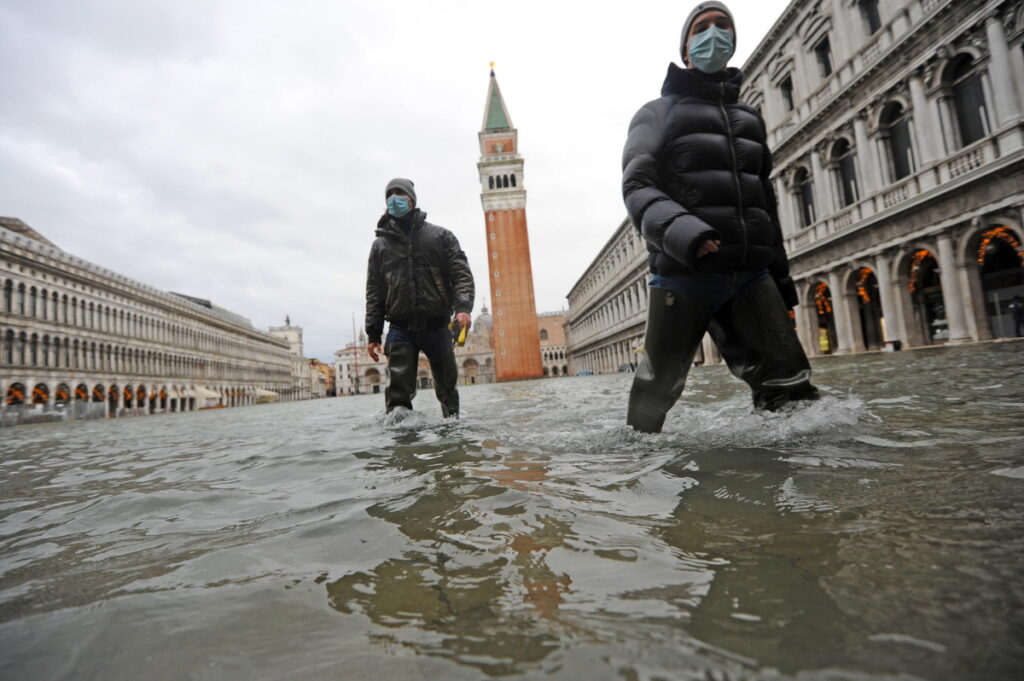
(402, 348)
(752, 330)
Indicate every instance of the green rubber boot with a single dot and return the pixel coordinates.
(403, 359)
(756, 338)
(446, 378)
(675, 327)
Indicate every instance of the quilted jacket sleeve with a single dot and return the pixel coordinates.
(664, 223)
(376, 297)
(459, 275)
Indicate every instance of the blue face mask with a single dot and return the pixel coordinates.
(398, 206)
(710, 49)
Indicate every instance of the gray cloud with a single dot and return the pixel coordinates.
(238, 150)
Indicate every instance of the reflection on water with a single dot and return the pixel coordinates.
(876, 534)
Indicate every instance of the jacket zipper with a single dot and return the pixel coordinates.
(735, 172)
(414, 317)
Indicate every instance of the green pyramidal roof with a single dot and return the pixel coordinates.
(496, 115)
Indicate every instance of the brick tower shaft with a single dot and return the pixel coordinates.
(516, 338)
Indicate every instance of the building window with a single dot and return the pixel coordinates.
(968, 100)
(490, 182)
(844, 162)
(804, 183)
(869, 11)
(513, 180)
(823, 51)
(895, 129)
(786, 89)
(543, 334)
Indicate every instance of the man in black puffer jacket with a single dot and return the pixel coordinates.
(695, 181)
(417, 278)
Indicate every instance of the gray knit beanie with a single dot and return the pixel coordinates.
(697, 11)
(403, 184)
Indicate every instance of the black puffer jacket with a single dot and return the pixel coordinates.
(417, 278)
(696, 167)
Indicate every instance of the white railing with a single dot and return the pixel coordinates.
(976, 157)
(966, 162)
(897, 195)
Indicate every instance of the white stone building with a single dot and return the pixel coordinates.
(896, 127)
(898, 141)
(301, 374)
(355, 373)
(80, 341)
(608, 306)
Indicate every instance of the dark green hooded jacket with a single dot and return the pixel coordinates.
(417, 279)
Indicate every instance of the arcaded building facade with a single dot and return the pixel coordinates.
(551, 330)
(896, 127)
(80, 341)
(608, 306)
(896, 130)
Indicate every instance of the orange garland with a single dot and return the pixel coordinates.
(823, 304)
(1004, 234)
(915, 267)
(862, 289)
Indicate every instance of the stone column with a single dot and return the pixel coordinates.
(1004, 87)
(806, 325)
(822, 184)
(784, 200)
(868, 166)
(926, 124)
(1017, 73)
(893, 321)
(840, 314)
(951, 296)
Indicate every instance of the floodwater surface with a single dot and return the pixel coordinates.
(875, 534)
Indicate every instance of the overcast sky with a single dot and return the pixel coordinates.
(237, 150)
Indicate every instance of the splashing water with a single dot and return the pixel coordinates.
(874, 534)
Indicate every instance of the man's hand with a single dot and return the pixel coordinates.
(374, 351)
(463, 319)
(709, 246)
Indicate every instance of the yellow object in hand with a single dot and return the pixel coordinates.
(459, 332)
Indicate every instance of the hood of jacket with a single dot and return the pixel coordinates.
(696, 83)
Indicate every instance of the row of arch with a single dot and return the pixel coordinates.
(39, 303)
(964, 108)
(913, 301)
(21, 348)
(501, 181)
(23, 401)
(952, 287)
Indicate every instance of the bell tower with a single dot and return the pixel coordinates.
(515, 333)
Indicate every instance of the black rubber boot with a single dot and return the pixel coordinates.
(756, 338)
(675, 327)
(403, 359)
(446, 378)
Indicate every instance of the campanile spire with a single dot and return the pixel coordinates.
(503, 197)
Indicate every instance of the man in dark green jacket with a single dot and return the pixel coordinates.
(417, 278)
